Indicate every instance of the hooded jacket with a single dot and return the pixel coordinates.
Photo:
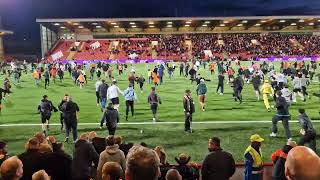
(111, 154)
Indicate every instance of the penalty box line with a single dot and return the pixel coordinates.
(155, 123)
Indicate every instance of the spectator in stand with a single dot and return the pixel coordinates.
(253, 159)
(103, 90)
(142, 163)
(302, 164)
(164, 165)
(184, 168)
(112, 153)
(111, 117)
(3, 152)
(60, 162)
(123, 146)
(308, 133)
(31, 159)
(83, 156)
(11, 169)
(279, 159)
(111, 171)
(40, 175)
(218, 164)
(98, 143)
(173, 174)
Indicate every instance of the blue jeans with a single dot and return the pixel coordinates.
(103, 102)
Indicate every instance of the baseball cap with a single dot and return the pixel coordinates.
(256, 138)
(201, 80)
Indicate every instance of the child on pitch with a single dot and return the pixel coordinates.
(81, 80)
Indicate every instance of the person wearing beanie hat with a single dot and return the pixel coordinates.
(253, 159)
(267, 91)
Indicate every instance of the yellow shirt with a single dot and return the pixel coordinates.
(266, 89)
(149, 73)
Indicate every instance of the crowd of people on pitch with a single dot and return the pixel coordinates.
(112, 158)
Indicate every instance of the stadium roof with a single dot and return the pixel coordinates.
(259, 23)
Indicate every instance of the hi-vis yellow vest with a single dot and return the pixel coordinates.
(257, 158)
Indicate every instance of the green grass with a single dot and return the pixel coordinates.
(21, 107)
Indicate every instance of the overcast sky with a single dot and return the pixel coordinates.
(20, 15)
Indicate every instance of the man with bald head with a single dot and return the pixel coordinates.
(302, 164)
(142, 163)
(11, 169)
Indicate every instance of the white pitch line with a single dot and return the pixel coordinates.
(157, 123)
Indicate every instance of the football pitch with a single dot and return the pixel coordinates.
(229, 120)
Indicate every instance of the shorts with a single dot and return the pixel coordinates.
(256, 88)
(115, 100)
(202, 98)
(44, 118)
(296, 90)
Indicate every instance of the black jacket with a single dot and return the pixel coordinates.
(111, 117)
(188, 105)
(282, 106)
(218, 165)
(70, 112)
(59, 165)
(278, 172)
(83, 156)
(99, 144)
(32, 161)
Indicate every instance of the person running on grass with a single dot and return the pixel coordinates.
(256, 82)
(81, 79)
(281, 115)
(308, 133)
(130, 96)
(113, 94)
(140, 80)
(97, 84)
(267, 91)
(237, 85)
(201, 92)
(45, 109)
(154, 100)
